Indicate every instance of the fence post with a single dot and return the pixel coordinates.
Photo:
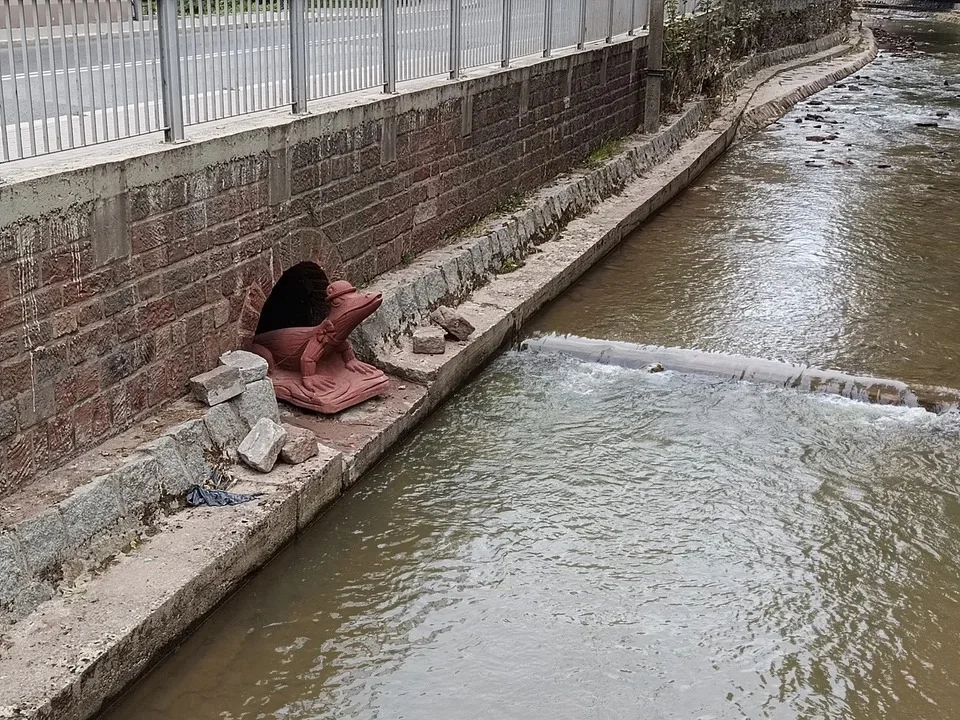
(633, 18)
(582, 36)
(298, 56)
(505, 39)
(651, 110)
(610, 21)
(456, 34)
(170, 86)
(547, 27)
(389, 16)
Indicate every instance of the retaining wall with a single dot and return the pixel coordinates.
(122, 276)
(119, 281)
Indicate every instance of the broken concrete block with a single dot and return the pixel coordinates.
(90, 510)
(225, 426)
(252, 367)
(217, 385)
(258, 401)
(452, 321)
(429, 340)
(43, 539)
(300, 446)
(261, 447)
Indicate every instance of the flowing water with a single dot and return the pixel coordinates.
(568, 540)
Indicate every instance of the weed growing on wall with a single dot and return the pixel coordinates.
(700, 48)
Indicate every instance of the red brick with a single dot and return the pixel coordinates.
(92, 342)
(60, 439)
(64, 323)
(77, 385)
(16, 377)
(18, 459)
(149, 234)
(130, 401)
(91, 421)
(87, 287)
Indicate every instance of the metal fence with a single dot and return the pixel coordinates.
(79, 72)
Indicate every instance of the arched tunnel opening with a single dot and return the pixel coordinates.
(299, 299)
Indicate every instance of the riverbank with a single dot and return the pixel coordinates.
(116, 625)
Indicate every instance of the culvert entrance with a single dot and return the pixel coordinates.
(299, 299)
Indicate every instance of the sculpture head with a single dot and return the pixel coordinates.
(349, 307)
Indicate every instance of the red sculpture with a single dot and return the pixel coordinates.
(315, 367)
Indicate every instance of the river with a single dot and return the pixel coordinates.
(566, 540)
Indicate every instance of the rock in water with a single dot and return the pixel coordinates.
(453, 322)
(262, 445)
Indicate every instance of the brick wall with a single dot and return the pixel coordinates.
(119, 281)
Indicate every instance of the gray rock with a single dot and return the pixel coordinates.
(13, 574)
(193, 443)
(224, 425)
(174, 477)
(300, 445)
(90, 510)
(429, 340)
(217, 385)
(43, 539)
(452, 321)
(139, 483)
(252, 367)
(261, 447)
(258, 401)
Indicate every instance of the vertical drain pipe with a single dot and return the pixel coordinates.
(651, 109)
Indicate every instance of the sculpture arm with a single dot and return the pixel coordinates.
(351, 362)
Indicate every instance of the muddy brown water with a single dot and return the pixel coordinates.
(568, 540)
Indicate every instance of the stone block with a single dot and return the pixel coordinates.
(175, 479)
(224, 425)
(13, 574)
(252, 367)
(217, 385)
(453, 322)
(43, 539)
(300, 445)
(139, 483)
(31, 594)
(435, 287)
(193, 443)
(262, 445)
(429, 340)
(91, 509)
(257, 401)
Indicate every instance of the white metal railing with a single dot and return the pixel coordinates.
(79, 72)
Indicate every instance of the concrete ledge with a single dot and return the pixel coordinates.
(133, 483)
(77, 651)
